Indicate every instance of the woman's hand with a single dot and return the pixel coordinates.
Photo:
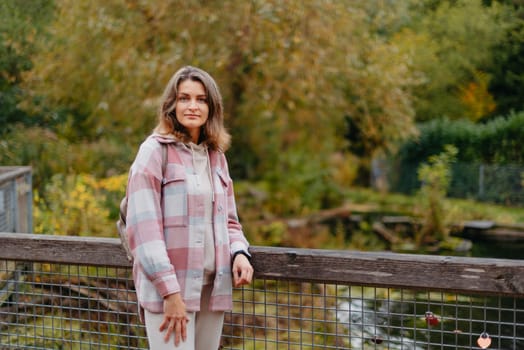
(242, 270)
(175, 318)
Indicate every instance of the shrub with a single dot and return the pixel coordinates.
(48, 155)
(435, 177)
(495, 144)
(78, 205)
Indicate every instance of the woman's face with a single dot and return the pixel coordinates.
(192, 110)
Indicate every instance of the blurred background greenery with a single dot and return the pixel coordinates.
(328, 102)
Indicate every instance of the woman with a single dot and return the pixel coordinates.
(182, 224)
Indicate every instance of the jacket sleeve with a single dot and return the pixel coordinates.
(145, 222)
(237, 240)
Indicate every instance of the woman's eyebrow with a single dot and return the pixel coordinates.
(188, 94)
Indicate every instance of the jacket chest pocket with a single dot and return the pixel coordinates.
(221, 185)
(174, 200)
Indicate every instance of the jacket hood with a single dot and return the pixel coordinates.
(172, 139)
(165, 138)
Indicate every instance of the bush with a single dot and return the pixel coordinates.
(48, 155)
(302, 183)
(79, 205)
(435, 177)
(490, 148)
(497, 141)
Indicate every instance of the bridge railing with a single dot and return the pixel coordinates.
(61, 292)
(16, 214)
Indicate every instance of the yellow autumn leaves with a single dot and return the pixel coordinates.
(79, 205)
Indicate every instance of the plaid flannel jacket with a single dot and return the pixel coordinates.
(167, 246)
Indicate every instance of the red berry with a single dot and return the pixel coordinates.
(431, 319)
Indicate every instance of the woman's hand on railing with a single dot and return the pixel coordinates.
(242, 270)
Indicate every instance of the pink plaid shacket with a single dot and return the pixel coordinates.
(163, 232)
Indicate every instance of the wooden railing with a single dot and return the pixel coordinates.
(284, 273)
(377, 269)
(16, 214)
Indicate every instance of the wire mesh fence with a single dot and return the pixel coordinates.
(52, 306)
(288, 315)
(65, 306)
(495, 183)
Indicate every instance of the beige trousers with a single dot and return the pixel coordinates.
(204, 328)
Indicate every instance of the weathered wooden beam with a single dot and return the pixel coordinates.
(94, 251)
(8, 173)
(377, 269)
(392, 270)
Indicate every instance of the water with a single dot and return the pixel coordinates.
(499, 250)
(400, 323)
(367, 328)
(397, 321)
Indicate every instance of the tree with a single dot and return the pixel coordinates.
(453, 50)
(20, 24)
(290, 73)
(507, 85)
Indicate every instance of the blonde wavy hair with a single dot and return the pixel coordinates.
(213, 132)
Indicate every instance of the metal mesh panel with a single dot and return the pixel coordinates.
(290, 315)
(49, 306)
(15, 199)
(7, 215)
(55, 306)
(498, 183)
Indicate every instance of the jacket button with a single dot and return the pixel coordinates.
(219, 208)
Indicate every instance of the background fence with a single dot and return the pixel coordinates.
(76, 293)
(496, 183)
(15, 199)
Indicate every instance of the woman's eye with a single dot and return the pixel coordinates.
(183, 99)
(202, 100)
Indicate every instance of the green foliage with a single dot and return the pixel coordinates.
(452, 42)
(301, 184)
(40, 149)
(501, 140)
(304, 83)
(20, 24)
(507, 83)
(56, 329)
(272, 234)
(83, 204)
(48, 154)
(464, 209)
(281, 83)
(497, 142)
(435, 177)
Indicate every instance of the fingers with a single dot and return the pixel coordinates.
(175, 318)
(169, 329)
(176, 327)
(242, 271)
(183, 331)
(178, 331)
(244, 276)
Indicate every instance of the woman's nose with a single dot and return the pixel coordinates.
(193, 104)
